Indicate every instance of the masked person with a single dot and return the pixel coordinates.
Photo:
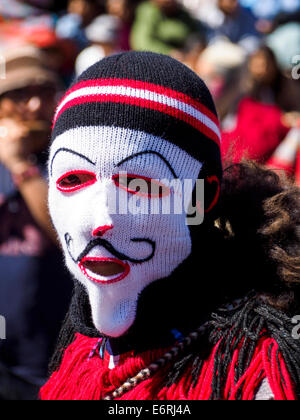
(168, 304)
(32, 276)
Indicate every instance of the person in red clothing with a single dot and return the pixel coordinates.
(176, 297)
(258, 132)
(287, 155)
(298, 169)
(260, 126)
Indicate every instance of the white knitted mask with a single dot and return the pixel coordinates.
(147, 247)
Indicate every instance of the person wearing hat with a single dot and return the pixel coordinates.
(28, 95)
(103, 34)
(79, 14)
(185, 276)
(29, 259)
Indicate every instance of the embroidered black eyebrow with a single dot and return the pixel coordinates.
(150, 152)
(63, 149)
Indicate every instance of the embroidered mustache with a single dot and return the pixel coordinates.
(110, 248)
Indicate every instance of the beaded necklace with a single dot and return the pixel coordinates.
(168, 357)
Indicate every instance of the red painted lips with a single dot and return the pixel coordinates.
(104, 270)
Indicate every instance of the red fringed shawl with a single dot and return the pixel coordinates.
(82, 378)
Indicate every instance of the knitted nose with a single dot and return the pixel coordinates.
(101, 230)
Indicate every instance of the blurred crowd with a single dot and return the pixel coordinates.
(248, 53)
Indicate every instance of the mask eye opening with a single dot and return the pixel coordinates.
(160, 190)
(75, 180)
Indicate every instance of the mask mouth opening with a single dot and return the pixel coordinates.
(104, 270)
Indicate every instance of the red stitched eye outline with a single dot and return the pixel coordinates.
(160, 190)
(75, 180)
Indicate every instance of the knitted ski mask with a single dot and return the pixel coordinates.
(130, 122)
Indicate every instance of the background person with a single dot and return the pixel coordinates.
(80, 13)
(34, 289)
(125, 11)
(232, 21)
(259, 125)
(104, 35)
(162, 26)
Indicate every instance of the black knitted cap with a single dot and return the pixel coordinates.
(148, 92)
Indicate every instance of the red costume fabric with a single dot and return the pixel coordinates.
(82, 377)
(297, 173)
(258, 132)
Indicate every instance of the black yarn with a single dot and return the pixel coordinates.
(108, 246)
(77, 320)
(247, 325)
(64, 149)
(150, 152)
